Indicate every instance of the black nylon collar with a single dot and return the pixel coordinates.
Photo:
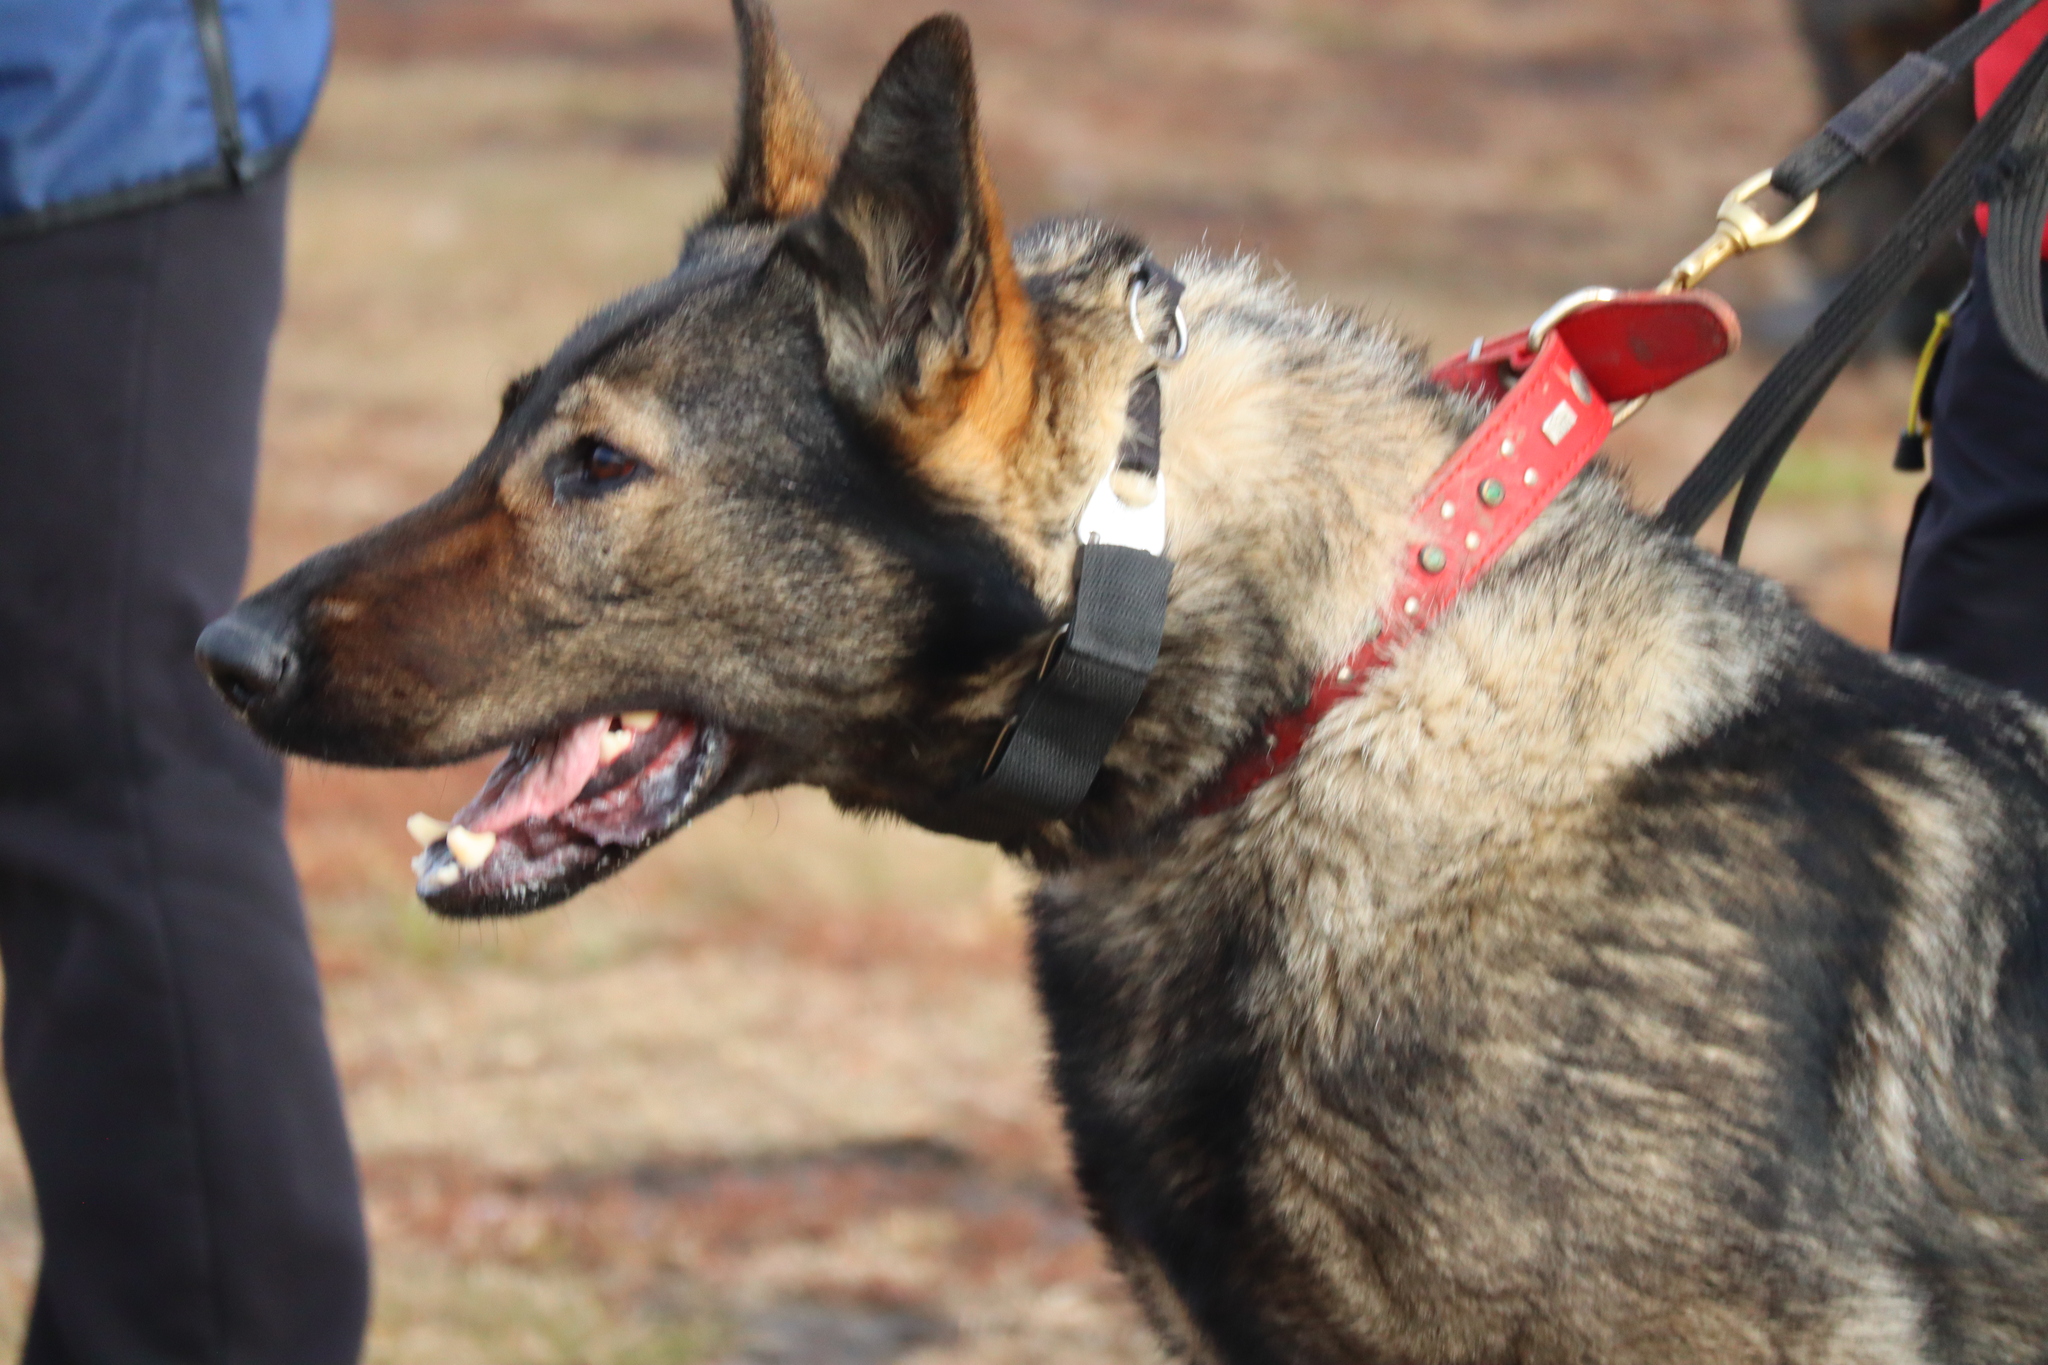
(1047, 758)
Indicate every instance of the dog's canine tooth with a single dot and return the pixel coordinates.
(470, 847)
(425, 830)
(639, 722)
(612, 743)
(442, 877)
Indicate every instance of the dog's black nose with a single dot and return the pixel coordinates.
(250, 660)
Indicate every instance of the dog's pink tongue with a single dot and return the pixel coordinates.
(539, 783)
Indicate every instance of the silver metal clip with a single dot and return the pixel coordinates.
(1109, 520)
(1179, 347)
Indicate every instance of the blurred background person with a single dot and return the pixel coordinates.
(163, 1035)
(1971, 587)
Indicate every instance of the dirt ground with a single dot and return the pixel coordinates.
(776, 1094)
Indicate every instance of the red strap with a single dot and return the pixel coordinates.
(1995, 70)
(1488, 370)
(1630, 345)
(1524, 453)
(1540, 434)
(2003, 60)
(1639, 343)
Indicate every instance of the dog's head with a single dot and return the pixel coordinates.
(793, 513)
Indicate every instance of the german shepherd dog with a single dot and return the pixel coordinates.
(1633, 972)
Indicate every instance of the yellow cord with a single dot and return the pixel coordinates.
(1943, 321)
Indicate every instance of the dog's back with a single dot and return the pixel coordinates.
(1641, 972)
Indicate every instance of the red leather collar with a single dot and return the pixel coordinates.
(1542, 431)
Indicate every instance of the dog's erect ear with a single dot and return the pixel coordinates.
(927, 331)
(781, 163)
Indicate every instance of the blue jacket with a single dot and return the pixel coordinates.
(107, 105)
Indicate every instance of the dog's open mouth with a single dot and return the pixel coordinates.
(565, 809)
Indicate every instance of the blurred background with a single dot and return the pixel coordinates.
(775, 1095)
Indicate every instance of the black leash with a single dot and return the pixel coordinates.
(1875, 119)
(1096, 668)
(2017, 190)
(2010, 137)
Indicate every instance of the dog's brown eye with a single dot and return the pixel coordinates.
(591, 468)
(602, 464)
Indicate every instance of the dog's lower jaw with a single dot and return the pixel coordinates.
(542, 862)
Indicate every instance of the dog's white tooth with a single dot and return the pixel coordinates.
(441, 878)
(612, 743)
(470, 847)
(425, 830)
(421, 863)
(639, 722)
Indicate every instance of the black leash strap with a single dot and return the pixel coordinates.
(1749, 451)
(1097, 667)
(2017, 190)
(1874, 119)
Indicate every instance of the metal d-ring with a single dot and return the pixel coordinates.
(1540, 330)
(1053, 649)
(995, 751)
(1180, 320)
(1576, 301)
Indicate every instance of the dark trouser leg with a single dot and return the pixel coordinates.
(164, 1044)
(1973, 593)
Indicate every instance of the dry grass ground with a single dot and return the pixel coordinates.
(775, 1095)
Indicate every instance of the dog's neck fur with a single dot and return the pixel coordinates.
(1295, 441)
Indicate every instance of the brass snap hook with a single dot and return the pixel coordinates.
(1741, 229)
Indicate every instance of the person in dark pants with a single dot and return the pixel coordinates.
(1973, 587)
(1971, 590)
(163, 1038)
